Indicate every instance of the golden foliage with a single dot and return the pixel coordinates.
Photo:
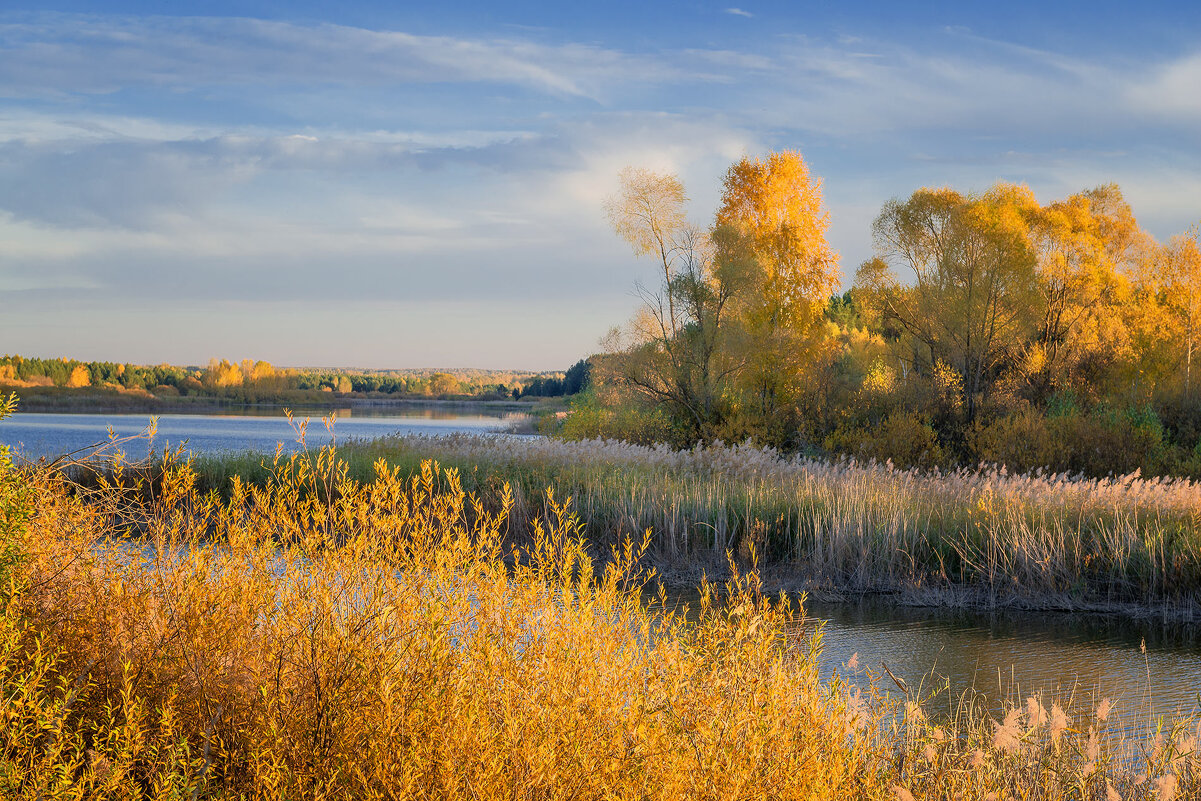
(323, 638)
(318, 637)
(79, 377)
(775, 203)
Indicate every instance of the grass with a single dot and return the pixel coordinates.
(312, 635)
(980, 537)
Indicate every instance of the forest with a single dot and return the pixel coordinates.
(989, 327)
(257, 381)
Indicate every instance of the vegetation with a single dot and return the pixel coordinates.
(974, 538)
(318, 637)
(57, 382)
(988, 328)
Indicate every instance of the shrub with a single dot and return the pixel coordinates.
(903, 438)
(1022, 442)
(16, 505)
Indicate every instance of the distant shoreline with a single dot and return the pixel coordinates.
(122, 403)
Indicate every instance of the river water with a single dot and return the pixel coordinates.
(33, 435)
(1143, 666)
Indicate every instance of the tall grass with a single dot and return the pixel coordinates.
(317, 636)
(980, 536)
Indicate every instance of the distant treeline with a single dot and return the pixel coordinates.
(257, 381)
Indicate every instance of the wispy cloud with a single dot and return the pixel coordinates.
(738, 12)
(52, 54)
(145, 159)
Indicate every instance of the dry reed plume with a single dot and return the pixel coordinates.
(1036, 539)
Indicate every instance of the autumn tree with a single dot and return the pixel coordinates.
(222, 374)
(968, 294)
(440, 384)
(1181, 295)
(1084, 247)
(80, 377)
(774, 223)
(677, 352)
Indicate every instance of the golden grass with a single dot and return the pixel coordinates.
(984, 536)
(322, 637)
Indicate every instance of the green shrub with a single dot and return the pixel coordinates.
(1021, 442)
(590, 419)
(903, 437)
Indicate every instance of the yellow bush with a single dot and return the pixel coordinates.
(318, 637)
(324, 638)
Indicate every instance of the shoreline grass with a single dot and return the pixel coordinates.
(980, 538)
(317, 636)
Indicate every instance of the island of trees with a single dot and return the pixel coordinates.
(988, 327)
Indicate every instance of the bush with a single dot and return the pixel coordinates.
(16, 505)
(1111, 441)
(1021, 442)
(628, 422)
(903, 437)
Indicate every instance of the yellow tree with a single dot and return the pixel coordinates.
(649, 213)
(1181, 291)
(969, 291)
(80, 377)
(678, 353)
(773, 210)
(1084, 246)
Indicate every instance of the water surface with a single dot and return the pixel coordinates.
(34, 435)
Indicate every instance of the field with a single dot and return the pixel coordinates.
(314, 636)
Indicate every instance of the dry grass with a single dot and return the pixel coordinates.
(322, 637)
(981, 536)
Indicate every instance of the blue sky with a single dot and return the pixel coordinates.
(402, 185)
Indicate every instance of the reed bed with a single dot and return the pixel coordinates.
(314, 635)
(979, 536)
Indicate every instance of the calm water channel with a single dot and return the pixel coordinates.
(998, 654)
(35, 434)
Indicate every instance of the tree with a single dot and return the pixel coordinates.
(775, 224)
(972, 290)
(1182, 293)
(1083, 246)
(444, 384)
(80, 377)
(675, 355)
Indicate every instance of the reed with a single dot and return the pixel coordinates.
(979, 536)
(318, 636)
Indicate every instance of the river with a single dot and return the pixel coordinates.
(33, 435)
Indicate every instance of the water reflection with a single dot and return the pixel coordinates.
(1008, 655)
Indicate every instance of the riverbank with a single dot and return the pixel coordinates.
(971, 539)
(94, 400)
(288, 642)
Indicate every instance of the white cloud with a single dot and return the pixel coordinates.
(465, 174)
(1173, 90)
(738, 12)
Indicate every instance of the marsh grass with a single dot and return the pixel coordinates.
(981, 537)
(317, 636)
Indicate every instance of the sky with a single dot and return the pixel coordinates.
(391, 185)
